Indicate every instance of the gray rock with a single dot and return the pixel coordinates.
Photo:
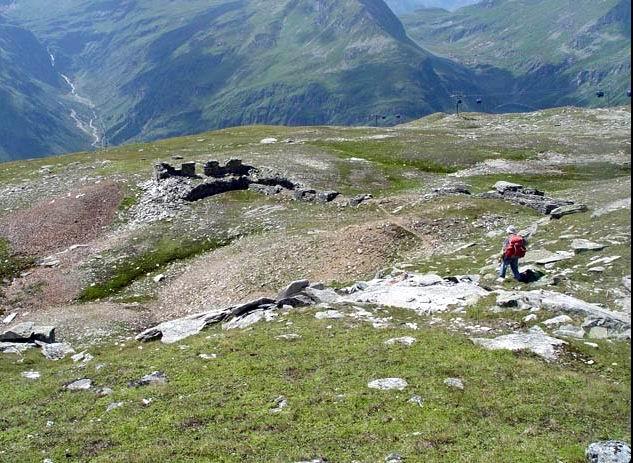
(535, 340)
(292, 289)
(453, 189)
(79, 385)
(322, 296)
(558, 320)
(562, 211)
(104, 392)
(31, 374)
(626, 282)
(407, 341)
(502, 187)
(15, 347)
(608, 452)
(508, 300)
(329, 315)
(417, 400)
(56, 351)
(280, 404)
(388, 384)
(155, 378)
(359, 199)
(114, 406)
(327, 196)
(176, 330)
(570, 331)
(454, 383)
(29, 332)
(250, 319)
(394, 458)
(580, 245)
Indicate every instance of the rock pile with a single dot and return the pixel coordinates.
(28, 335)
(533, 198)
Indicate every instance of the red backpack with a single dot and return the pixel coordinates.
(516, 247)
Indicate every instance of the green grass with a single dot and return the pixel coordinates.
(10, 264)
(515, 408)
(167, 250)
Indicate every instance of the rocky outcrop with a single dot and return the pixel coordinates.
(535, 340)
(531, 197)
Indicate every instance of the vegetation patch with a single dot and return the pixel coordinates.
(10, 264)
(168, 250)
(514, 407)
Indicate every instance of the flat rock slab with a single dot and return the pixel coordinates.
(535, 340)
(612, 207)
(388, 384)
(562, 211)
(418, 292)
(15, 347)
(608, 452)
(79, 385)
(176, 330)
(570, 331)
(250, 319)
(544, 257)
(581, 245)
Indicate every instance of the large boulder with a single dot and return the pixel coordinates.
(608, 452)
(29, 332)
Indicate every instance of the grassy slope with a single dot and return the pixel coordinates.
(513, 409)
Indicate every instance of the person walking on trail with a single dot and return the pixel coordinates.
(514, 248)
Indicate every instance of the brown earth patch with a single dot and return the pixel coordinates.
(261, 265)
(53, 225)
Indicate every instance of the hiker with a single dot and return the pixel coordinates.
(514, 247)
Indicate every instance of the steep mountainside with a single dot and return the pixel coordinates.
(406, 6)
(34, 114)
(161, 68)
(561, 52)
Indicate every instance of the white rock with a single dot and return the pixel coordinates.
(454, 383)
(208, 356)
(80, 385)
(329, 315)
(558, 320)
(268, 141)
(535, 340)
(570, 331)
(250, 319)
(404, 341)
(159, 278)
(596, 269)
(530, 318)
(31, 374)
(280, 403)
(114, 406)
(56, 351)
(580, 245)
(417, 400)
(388, 384)
(9, 318)
(592, 344)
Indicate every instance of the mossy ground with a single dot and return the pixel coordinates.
(514, 408)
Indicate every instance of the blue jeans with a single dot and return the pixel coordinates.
(513, 263)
